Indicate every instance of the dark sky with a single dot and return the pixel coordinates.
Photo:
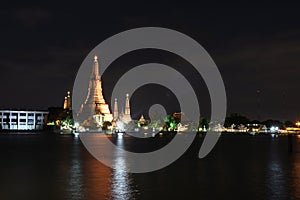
(255, 46)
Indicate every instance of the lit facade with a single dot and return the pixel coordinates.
(22, 120)
(94, 105)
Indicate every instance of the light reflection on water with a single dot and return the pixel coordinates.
(59, 167)
(296, 181)
(90, 179)
(121, 185)
(75, 178)
(276, 180)
(295, 171)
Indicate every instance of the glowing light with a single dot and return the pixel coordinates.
(120, 134)
(274, 129)
(76, 134)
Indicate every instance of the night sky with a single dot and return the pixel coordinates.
(255, 46)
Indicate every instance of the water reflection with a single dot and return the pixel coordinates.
(296, 180)
(87, 177)
(50, 167)
(296, 170)
(121, 187)
(75, 185)
(90, 179)
(276, 178)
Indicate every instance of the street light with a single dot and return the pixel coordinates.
(298, 123)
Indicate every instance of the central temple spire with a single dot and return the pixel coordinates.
(127, 106)
(94, 103)
(96, 81)
(96, 68)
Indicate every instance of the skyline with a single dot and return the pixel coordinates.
(254, 47)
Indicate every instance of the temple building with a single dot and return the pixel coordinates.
(116, 110)
(123, 116)
(67, 101)
(142, 120)
(94, 108)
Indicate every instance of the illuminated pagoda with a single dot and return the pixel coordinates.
(121, 120)
(94, 107)
(123, 116)
(67, 101)
(126, 116)
(116, 111)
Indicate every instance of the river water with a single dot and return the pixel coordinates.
(49, 166)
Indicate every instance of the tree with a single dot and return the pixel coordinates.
(106, 125)
(203, 122)
(236, 119)
(171, 122)
(68, 121)
(156, 124)
(270, 122)
(289, 124)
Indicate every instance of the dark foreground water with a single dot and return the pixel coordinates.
(45, 166)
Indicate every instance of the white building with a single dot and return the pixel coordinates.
(22, 120)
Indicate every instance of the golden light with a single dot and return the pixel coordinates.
(298, 123)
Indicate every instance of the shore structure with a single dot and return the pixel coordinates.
(22, 119)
